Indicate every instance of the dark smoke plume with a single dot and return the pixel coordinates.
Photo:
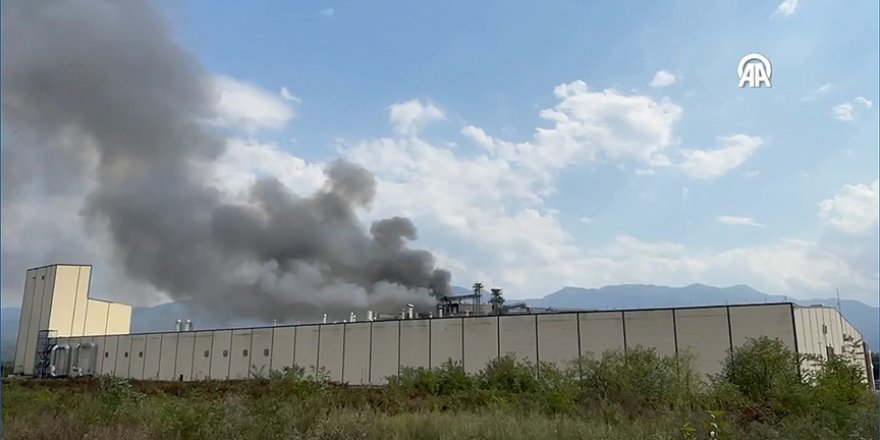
(99, 94)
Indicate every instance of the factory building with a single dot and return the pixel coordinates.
(55, 341)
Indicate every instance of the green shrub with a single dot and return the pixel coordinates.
(766, 372)
(639, 376)
(510, 375)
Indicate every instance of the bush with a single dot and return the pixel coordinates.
(640, 377)
(766, 372)
(509, 375)
(445, 380)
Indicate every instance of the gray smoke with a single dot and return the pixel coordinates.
(98, 95)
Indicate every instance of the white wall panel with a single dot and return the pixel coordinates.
(101, 354)
(131, 356)
(600, 332)
(330, 350)
(169, 356)
(96, 317)
(651, 329)
(111, 343)
(704, 333)
(480, 342)
(446, 341)
(240, 355)
(48, 298)
(118, 319)
(306, 347)
(24, 322)
(282, 348)
(40, 295)
(81, 303)
(202, 353)
(384, 357)
(183, 364)
(261, 358)
(221, 354)
(64, 299)
(152, 356)
(356, 360)
(558, 339)
(519, 337)
(774, 321)
(415, 344)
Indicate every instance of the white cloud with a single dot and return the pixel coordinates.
(732, 152)
(863, 101)
(487, 202)
(287, 96)
(843, 112)
(787, 8)
(410, 116)
(246, 160)
(738, 221)
(247, 106)
(752, 174)
(846, 111)
(328, 12)
(823, 89)
(853, 210)
(585, 220)
(587, 126)
(663, 78)
(644, 172)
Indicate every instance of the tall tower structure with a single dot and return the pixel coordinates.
(56, 300)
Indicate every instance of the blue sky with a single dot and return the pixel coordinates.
(571, 143)
(494, 65)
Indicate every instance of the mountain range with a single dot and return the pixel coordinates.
(627, 296)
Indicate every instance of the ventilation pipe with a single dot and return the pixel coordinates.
(352, 317)
(189, 325)
(369, 315)
(178, 325)
(409, 311)
(325, 318)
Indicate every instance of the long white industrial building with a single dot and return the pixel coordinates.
(370, 351)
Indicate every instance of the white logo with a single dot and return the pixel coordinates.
(754, 69)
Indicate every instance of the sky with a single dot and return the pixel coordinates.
(571, 144)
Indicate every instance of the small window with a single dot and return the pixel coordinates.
(140, 354)
(266, 352)
(244, 352)
(125, 355)
(225, 353)
(106, 354)
(207, 353)
(824, 329)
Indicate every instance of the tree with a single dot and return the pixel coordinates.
(497, 301)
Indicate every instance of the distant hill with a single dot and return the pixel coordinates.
(628, 296)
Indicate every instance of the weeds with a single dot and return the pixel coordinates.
(636, 394)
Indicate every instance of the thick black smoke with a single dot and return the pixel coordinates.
(98, 93)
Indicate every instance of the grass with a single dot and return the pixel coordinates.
(632, 395)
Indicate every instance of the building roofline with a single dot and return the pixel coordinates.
(555, 312)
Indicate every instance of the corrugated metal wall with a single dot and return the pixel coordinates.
(369, 352)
